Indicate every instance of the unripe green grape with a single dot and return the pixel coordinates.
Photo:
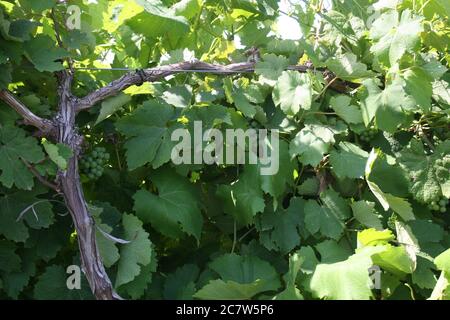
(443, 209)
(442, 202)
(435, 207)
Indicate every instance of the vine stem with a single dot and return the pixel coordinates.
(70, 183)
(234, 237)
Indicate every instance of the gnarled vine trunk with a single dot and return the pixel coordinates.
(70, 185)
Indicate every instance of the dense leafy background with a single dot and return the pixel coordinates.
(364, 176)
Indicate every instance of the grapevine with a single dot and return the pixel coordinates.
(106, 167)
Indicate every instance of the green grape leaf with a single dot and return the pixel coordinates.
(330, 251)
(246, 270)
(36, 212)
(43, 53)
(243, 104)
(442, 261)
(293, 91)
(244, 198)
(148, 133)
(111, 106)
(187, 8)
(134, 255)
(279, 230)
(349, 161)
(174, 209)
(345, 110)
(180, 285)
(9, 260)
(271, 67)
(364, 212)
(14, 146)
(393, 36)
(136, 288)
(345, 280)
(229, 290)
(309, 187)
(328, 218)
(159, 21)
(347, 67)
(387, 107)
(311, 143)
(58, 153)
(418, 85)
(291, 292)
(178, 96)
(275, 184)
(108, 250)
(52, 285)
(38, 6)
(425, 183)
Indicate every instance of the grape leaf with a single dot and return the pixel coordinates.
(180, 285)
(112, 105)
(134, 255)
(14, 146)
(387, 107)
(148, 133)
(174, 210)
(349, 161)
(271, 67)
(365, 213)
(279, 230)
(59, 153)
(293, 91)
(425, 185)
(350, 113)
(328, 218)
(276, 184)
(347, 67)
(345, 280)
(159, 21)
(43, 53)
(14, 204)
(291, 292)
(311, 143)
(9, 260)
(393, 36)
(244, 198)
(246, 270)
(52, 285)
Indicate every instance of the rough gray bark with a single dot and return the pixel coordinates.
(154, 74)
(73, 194)
(44, 125)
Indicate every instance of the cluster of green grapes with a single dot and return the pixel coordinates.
(442, 167)
(438, 204)
(369, 134)
(94, 163)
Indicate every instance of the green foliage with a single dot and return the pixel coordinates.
(364, 151)
(15, 146)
